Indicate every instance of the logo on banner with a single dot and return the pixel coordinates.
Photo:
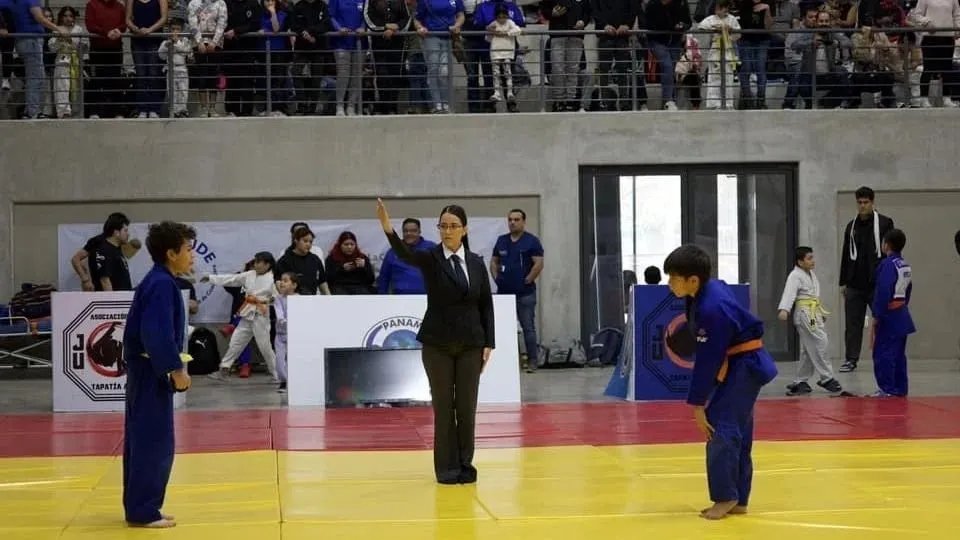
(393, 333)
(668, 347)
(204, 263)
(93, 350)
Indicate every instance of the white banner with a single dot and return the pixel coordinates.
(223, 247)
(83, 323)
(317, 323)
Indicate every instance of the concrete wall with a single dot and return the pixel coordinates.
(476, 156)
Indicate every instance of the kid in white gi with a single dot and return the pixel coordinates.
(182, 49)
(67, 76)
(726, 26)
(287, 286)
(802, 294)
(259, 292)
(503, 50)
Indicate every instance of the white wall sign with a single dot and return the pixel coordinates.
(82, 321)
(317, 323)
(223, 247)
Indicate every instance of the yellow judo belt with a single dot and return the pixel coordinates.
(184, 357)
(813, 305)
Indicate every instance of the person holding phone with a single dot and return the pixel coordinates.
(457, 334)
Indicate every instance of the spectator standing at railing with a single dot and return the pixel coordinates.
(275, 19)
(387, 17)
(346, 17)
(476, 62)
(793, 57)
(670, 19)
(107, 19)
(6, 43)
(144, 18)
(937, 47)
(439, 22)
(70, 48)
(28, 18)
(310, 21)
(565, 51)
(208, 20)
(875, 62)
(616, 19)
(820, 64)
(415, 65)
(483, 17)
(754, 46)
(241, 44)
(786, 15)
(177, 50)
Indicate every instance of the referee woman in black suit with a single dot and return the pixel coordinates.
(457, 335)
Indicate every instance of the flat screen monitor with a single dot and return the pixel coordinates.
(359, 377)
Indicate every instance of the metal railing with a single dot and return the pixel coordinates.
(272, 74)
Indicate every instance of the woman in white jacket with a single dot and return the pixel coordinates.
(70, 48)
(937, 47)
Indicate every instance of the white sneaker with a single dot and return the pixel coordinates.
(671, 106)
(341, 111)
(142, 115)
(94, 116)
(153, 115)
(950, 104)
(924, 103)
(5, 85)
(351, 111)
(496, 97)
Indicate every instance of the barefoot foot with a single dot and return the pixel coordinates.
(738, 509)
(718, 510)
(168, 517)
(158, 524)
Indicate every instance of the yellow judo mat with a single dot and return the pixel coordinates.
(870, 490)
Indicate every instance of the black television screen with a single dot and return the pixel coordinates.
(358, 377)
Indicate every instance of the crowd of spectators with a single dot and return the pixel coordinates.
(360, 57)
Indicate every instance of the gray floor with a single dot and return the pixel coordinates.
(21, 393)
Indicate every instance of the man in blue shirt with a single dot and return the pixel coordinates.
(516, 263)
(398, 277)
(28, 18)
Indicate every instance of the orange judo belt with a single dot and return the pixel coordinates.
(262, 307)
(740, 348)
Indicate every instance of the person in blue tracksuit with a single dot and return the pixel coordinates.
(730, 369)
(891, 317)
(398, 277)
(153, 339)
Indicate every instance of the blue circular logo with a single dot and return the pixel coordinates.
(393, 333)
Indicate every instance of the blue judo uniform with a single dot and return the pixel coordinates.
(731, 367)
(892, 324)
(152, 342)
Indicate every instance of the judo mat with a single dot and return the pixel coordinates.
(837, 469)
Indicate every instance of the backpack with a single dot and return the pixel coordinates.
(605, 347)
(32, 302)
(202, 346)
(560, 354)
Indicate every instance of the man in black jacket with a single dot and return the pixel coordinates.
(565, 51)
(240, 46)
(389, 17)
(670, 19)
(310, 20)
(858, 263)
(616, 19)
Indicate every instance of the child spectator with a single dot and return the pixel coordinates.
(69, 50)
(502, 36)
(182, 52)
(287, 286)
(348, 269)
(259, 290)
(722, 48)
(688, 71)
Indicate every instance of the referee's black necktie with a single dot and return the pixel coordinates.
(458, 271)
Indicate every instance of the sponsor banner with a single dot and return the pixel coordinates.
(89, 371)
(224, 247)
(663, 355)
(316, 323)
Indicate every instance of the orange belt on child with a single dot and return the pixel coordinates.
(740, 348)
(896, 304)
(262, 307)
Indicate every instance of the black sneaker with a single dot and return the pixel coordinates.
(831, 385)
(848, 366)
(798, 389)
(282, 388)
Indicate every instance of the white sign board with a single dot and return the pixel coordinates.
(316, 323)
(223, 247)
(82, 320)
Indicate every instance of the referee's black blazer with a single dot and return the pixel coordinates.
(455, 318)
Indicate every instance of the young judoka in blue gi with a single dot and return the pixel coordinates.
(730, 368)
(891, 317)
(152, 345)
